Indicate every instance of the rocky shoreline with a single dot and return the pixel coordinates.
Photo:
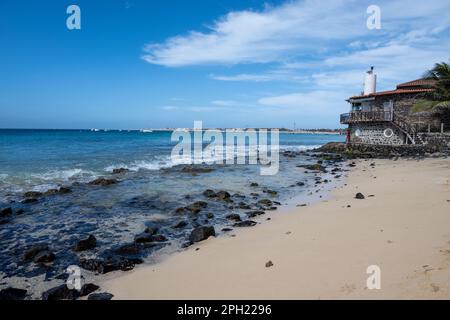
(195, 218)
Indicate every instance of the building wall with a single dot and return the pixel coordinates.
(374, 133)
(402, 102)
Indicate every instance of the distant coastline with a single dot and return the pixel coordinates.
(150, 130)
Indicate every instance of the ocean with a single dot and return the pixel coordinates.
(147, 194)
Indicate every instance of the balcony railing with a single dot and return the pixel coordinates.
(366, 116)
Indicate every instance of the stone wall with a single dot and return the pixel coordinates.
(402, 102)
(382, 133)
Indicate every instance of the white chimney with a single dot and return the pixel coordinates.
(370, 82)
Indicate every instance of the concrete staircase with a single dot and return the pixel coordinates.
(404, 125)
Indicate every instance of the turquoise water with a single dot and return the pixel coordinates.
(148, 194)
(40, 159)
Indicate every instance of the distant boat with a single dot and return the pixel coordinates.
(146, 130)
(95, 130)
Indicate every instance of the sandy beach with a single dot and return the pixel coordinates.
(323, 251)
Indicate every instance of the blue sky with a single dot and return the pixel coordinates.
(230, 63)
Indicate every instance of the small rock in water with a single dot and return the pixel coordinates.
(6, 212)
(159, 238)
(271, 192)
(131, 249)
(197, 206)
(33, 251)
(202, 233)
(244, 224)
(244, 206)
(252, 214)
(143, 238)
(180, 225)
(265, 202)
(120, 170)
(269, 264)
(62, 190)
(254, 184)
(86, 244)
(103, 182)
(151, 230)
(233, 217)
(32, 194)
(44, 257)
(209, 193)
(100, 296)
(360, 196)
(12, 294)
(223, 195)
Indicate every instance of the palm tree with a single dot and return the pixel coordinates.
(440, 73)
(440, 96)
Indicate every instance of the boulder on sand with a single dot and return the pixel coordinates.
(360, 196)
(61, 292)
(244, 224)
(202, 233)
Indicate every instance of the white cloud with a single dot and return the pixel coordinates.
(324, 45)
(276, 34)
(310, 103)
(260, 37)
(274, 75)
(170, 108)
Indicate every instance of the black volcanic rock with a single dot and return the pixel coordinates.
(31, 253)
(196, 170)
(223, 195)
(5, 212)
(201, 233)
(209, 193)
(233, 217)
(360, 196)
(103, 182)
(88, 288)
(180, 224)
(45, 256)
(110, 264)
(265, 202)
(120, 170)
(13, 294)
(61, 292)
(244, 224)
(32, 194)
(100, 296)
(252, 214)
(86, 244)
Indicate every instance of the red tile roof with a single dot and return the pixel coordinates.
(415, 86)
(391, 92)
(417, 83)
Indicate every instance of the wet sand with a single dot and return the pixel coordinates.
(323, 251)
